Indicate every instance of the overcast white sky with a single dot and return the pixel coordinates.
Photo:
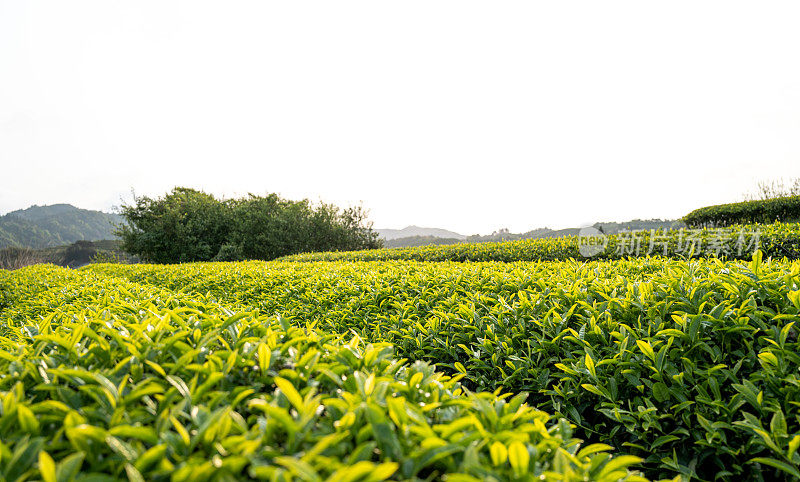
(464, 115)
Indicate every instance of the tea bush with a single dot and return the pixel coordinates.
(781, 209)
(691, 365)
(735, 242)
(105, 379)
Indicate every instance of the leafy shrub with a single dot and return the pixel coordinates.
(782, 209)
(691, 365)
(129, 381)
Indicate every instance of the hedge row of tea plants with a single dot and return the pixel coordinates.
(692, 365)
(782, 209)
(106, 379)
(734, 242)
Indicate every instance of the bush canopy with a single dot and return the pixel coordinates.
(189, 225)
(783, 209)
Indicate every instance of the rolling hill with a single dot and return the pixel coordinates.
(411, 231)
(55, 225)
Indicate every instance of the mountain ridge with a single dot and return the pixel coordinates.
(399, 239)
(55, 225)
(411, 231)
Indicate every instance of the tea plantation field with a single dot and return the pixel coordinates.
(777, 240)
(629, 369)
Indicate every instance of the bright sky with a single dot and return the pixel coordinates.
(464, 115)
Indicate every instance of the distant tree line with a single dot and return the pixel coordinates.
(189, 225)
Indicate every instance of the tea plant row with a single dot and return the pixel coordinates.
(691, 365)
(735, 242)
(102, 378)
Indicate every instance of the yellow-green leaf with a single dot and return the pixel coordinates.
(47, 467)
(646, 349)
(590, 365)
(264, 355)
(499, 453)
(290, 392)
(519, 457)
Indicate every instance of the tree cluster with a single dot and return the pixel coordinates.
(189, 225)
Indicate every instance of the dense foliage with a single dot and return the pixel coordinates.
(735, 242)
(189, 225)
(105, 379)
(783, 209)
(691, 365)
(56, 225)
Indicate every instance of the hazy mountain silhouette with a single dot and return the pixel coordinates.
(410, 231)
(416, 236)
